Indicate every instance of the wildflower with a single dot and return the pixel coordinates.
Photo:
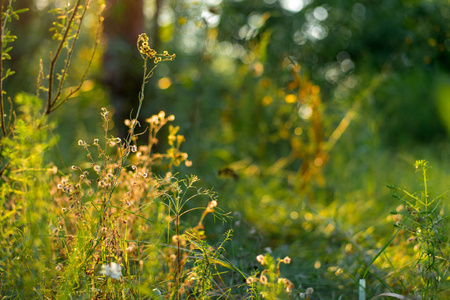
(309, 291)
(175, 238)
(74, 167)
(54, 170)
(260, 259)
(133, 148)
(289, 286)
(104, 113)
(287, 260)
(250, 280)
(211, 205)
(263, 279)
(113, 270)
(153, 120)
(81, 143)
(144, 48)
(97, 168)
(131, 248)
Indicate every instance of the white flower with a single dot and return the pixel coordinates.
(114, 270)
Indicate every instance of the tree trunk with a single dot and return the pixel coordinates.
(124, 21)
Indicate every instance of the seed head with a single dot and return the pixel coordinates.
(260, 259)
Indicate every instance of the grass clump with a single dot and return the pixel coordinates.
(422, 222)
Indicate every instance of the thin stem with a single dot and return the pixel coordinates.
(126, 153)
(425, 187)
(55, 105)
(178, 272)
(1, 72)
(50, 102)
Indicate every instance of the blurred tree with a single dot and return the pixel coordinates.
(124, 21)
(344, 43)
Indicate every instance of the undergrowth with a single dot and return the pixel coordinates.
(112, 227)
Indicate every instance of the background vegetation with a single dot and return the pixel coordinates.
(297, 114)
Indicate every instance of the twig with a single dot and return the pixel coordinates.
(68, 59)
(50, 102)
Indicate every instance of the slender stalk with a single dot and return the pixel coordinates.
(124, 157)
(178, 272)
(1, 72)
(425, 186)
(50, 102)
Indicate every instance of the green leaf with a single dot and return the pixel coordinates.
(21, 11)
(9, 72)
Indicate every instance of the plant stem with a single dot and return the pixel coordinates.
(1, 72)
(178, 272)
(51, 76)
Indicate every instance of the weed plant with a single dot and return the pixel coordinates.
(417, 253)
(422, 217)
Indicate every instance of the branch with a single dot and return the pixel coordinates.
(50, 102)
(83, 77)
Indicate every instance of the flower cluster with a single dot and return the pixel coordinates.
(307, 293)
(288, 285)
(269, 282)
(147, 52)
